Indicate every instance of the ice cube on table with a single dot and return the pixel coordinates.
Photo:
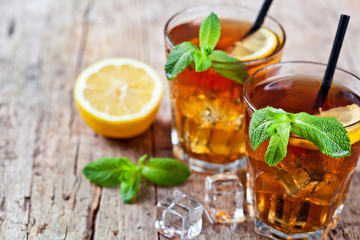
(224, 198)
(179, 217)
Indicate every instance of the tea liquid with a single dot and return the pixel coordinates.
(305, 190)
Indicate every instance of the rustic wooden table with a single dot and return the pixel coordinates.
(44, 143)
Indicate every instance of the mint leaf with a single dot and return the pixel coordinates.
(261, 121)
(201, 62)
(130, 183)
(237, 72)
(326, 133)
(209, 32)
(237, 75)
(182, 55)
(142, 159)
(221, 56)
(106, 171)
(165, 171)
(179, 58)
(277, 148)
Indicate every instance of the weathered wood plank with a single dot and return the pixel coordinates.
(44, 143)
(19, 129)
(55, 214)
(117, 31)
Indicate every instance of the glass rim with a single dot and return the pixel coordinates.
(256, 61)
(246, 84)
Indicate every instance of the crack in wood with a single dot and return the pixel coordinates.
(34, 172)
(92, 213)
(66, 232)
(76, 157)
(32, 72)
(26, 203)
(346, 236)
(72, 111)
(27, 200)
(84, 34)
(11, 28)
(52, 196)
(76, 188)
(2, 219)
(80, 57)
(153, 154)
(2, 204)
(41, 228)
(66, 196)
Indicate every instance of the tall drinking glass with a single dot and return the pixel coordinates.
(207, 108)
(303, 195)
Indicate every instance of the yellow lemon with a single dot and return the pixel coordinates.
(119, 97)
(347, 115)
(258, 45)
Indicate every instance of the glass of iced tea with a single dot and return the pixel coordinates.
(303, 195)
(207, 108)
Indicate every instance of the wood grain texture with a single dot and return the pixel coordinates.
(44, 143)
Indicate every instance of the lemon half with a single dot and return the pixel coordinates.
(119, 97)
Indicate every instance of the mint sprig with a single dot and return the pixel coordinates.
(186, 53)
(109, 172)
(209, 33)
(327, 133)
(180, 57)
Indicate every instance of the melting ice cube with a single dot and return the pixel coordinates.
(224, 198)
(179, 217)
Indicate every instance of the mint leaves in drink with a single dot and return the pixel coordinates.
(327, 133)
(186, 53)
(109, 172)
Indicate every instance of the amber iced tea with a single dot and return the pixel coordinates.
(208, 109)
(305, 192)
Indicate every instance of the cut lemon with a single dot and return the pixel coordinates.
(258, 45)
(347, 115)
(119, 97)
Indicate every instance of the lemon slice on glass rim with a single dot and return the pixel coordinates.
(119, 97)
(260, 44)
(347, 115)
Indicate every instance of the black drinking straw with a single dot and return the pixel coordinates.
(330, 69)
(260, 18)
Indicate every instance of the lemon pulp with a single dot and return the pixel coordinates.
(119, 97)
(260, 44)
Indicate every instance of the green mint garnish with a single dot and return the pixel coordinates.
(109, 172)
(180, 57)
(186, 53)
(327, 133)
(209, 34)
